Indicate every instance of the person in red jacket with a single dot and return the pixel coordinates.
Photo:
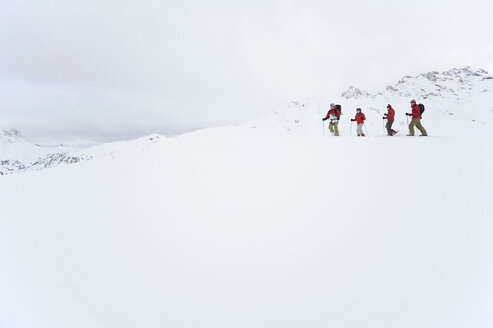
(360, 120)
(334, 114)
(389, 116)
(416, 119)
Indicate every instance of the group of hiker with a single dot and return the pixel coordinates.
(334, 115)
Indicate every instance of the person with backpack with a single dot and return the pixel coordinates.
(334, 114)
(417, 110)
(389, 116)
(360, 120)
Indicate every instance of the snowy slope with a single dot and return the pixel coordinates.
(248, 231)
(17, 154)
(267, 224)
(111, 150)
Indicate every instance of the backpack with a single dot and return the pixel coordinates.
(421, 108)
(338, 107)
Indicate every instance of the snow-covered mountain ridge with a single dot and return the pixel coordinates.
(460, 99)
(20, 155)
(457, 83)
(17, 154)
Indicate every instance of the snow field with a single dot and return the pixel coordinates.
(231, 228)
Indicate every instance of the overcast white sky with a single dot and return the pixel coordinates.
(121, 68)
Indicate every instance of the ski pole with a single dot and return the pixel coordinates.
(351, 128)
(366, 129)
(323, 128)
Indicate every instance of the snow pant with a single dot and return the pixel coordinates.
(416, 122)
(359, 130)
(388, 126)
(334, 127)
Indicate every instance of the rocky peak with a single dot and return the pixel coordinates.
(10, 133)
(353, 92)
(431, 84)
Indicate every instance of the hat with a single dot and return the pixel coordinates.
(332, 105)
(358, 109)
(413, 101)
(389, 106)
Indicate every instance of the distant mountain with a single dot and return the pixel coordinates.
(17, 154)
(459, 84)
